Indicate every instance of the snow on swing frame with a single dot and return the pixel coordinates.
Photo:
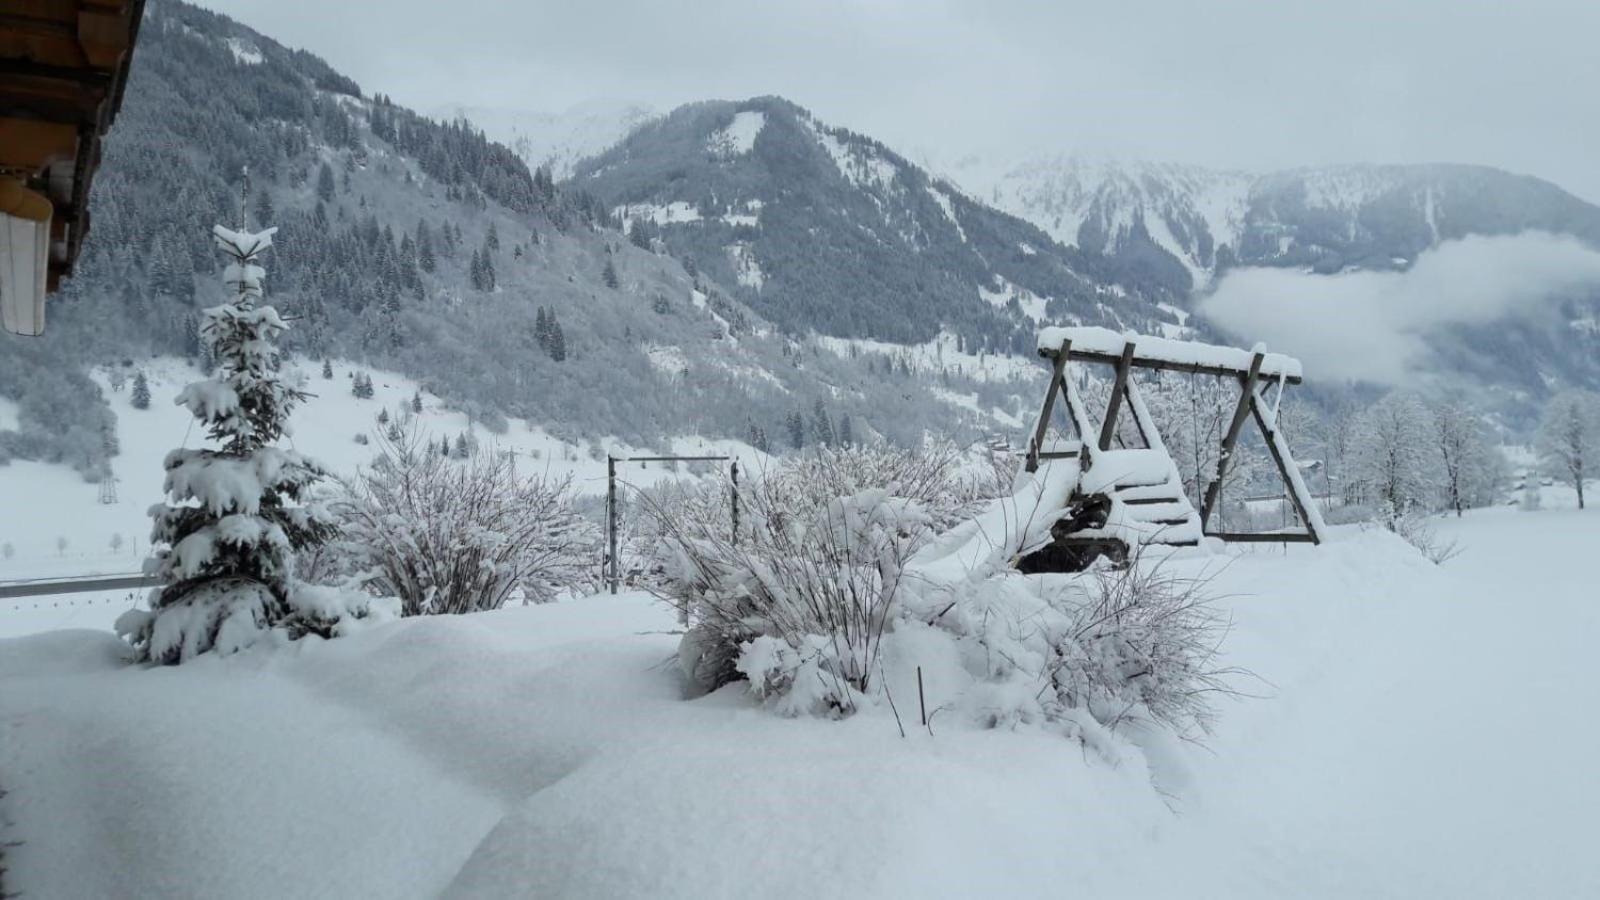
(1255, 370)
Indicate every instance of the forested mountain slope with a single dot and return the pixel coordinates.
(415, 245)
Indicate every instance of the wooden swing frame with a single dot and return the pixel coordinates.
(1254, 381)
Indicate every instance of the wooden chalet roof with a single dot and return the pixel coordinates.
(63, 66)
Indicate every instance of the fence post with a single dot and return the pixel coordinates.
(611, 519)
(736, 503)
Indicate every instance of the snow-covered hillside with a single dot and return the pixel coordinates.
(47, 503)
(559, 139)
(1415, 731)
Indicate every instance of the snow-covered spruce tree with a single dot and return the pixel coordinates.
(141, 392)
(226, 536)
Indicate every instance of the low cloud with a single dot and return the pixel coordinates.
(1369, 325)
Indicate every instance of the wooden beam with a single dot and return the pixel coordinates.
(1056, 375)
(1240, 413)
(1264, 537)
(1267, 432)
(1108, 428)
(1140, 362)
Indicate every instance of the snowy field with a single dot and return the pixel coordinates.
(47, 504)
(1418, 731)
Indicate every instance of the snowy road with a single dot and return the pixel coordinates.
(1425, 733)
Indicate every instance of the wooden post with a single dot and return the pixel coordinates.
(1108, 429)
(735, 491)
(611, 520)
(1240, 413)
(1039, 430)
(1268, 432)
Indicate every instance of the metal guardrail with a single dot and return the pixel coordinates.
(44, 587)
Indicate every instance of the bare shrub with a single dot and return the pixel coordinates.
(800, 603)
(449, 536)
(1140, 642)
(1416, 530)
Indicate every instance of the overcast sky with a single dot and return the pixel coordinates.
(1254, 85)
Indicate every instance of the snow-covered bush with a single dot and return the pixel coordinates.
(1416, 529)
(226, 537)
(932, 476)
(1140, 642)
(459, 536)
(800, 603)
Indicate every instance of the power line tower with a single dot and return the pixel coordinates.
(108, 490)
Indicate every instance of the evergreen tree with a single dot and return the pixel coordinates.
(821, 426)
(609, 275)
(486, 262)
(425, 257)
(558, 340)
(236, 515)
(846, 439)
(325, 184)
(639, 234)
(327, 368)
(416, 402)
(756, 436)
(797, 430)
(462, 451)
(263, 209)
(383, 416)
(491, 242)
(541, 330)
(141, 392)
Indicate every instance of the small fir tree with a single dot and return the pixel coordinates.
(609, 275)
(235, 514)
(141, 392)
(327, 369)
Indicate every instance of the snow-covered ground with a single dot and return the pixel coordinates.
(1419, 730)
(44, 504)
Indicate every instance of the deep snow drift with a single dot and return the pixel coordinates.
(1420, 731)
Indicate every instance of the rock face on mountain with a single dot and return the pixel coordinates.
(829, 230)
(1328, 219)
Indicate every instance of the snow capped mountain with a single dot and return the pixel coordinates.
(1106, 205)
(1329, 218)
(828, 230)
(559, 139)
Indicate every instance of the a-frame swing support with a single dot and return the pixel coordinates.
(1128, 352)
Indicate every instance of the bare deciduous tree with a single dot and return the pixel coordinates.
(1569, 437)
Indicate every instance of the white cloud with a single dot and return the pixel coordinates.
(1369, 325)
